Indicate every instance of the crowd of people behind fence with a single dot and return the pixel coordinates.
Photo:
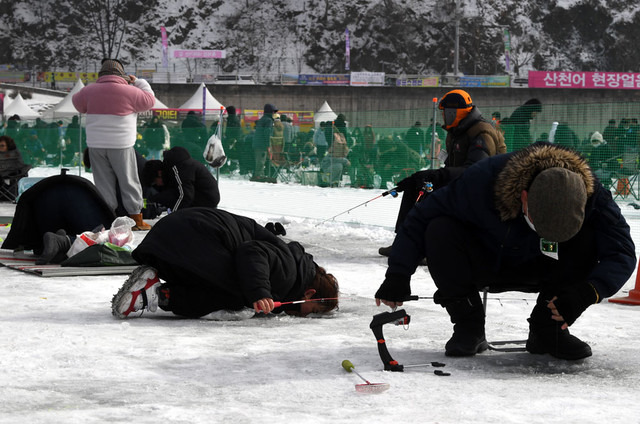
(369, 156)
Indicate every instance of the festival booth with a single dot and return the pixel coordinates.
(201, 99)
(325, 113)
(19, 107)
(159, 105)
(65, 108)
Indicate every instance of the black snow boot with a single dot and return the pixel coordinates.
(468, 338)
(270, 226)
(279, 228)
(55, 249)
(547, 336)
(385, 251)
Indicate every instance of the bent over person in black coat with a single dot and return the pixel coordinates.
(214, 260)
(60, 202)
(187, 182)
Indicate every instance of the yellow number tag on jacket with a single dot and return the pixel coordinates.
(549, 248)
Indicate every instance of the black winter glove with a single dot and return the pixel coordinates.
(405, 184)
(395, 288)
(415, 180)
(572, 302)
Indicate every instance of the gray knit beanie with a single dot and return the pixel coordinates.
(556, 204)
(112, 67)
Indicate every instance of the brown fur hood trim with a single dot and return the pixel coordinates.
(525, 165)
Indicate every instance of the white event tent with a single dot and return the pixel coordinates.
(19, 107)
(212, 105)
(325, 113)
(159, 105)
(65, 108)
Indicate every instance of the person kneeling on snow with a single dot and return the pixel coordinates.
(536, 218)
(212, 260)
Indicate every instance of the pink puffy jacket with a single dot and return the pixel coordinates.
(112, 107)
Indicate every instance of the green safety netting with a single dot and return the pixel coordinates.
(399, 148)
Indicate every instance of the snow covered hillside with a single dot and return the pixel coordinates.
(305, 36)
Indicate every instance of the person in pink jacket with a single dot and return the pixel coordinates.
(111, 105)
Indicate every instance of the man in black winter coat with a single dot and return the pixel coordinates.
(517, 128)
(186, 182)
(536, 218)
(261, 141)
(415, 138)
(214, 260)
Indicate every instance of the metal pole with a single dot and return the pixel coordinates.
(433, 134)
(204, 104)
(457, 42)
(219, 130)
(80, 145)
(331, 156)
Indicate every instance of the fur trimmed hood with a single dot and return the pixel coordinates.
(525, 165)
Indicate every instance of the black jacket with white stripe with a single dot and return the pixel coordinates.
(187, 182)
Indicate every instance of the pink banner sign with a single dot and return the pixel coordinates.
(165, 47)
(200, 54)
(568, 79)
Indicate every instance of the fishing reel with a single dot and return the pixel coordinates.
(399, 317)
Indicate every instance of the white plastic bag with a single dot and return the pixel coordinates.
(120, 232)
(214, 152)
(86, 239)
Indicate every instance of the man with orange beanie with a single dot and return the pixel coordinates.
(470, 138)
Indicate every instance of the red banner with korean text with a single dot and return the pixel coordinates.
(596, 80)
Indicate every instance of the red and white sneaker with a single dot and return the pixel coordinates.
(138, 293)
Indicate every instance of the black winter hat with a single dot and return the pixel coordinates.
(269, 108)
(534, 105)
(556, 203)
(231, 110)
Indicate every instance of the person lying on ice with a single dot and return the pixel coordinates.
(211, 260)
(537, 217)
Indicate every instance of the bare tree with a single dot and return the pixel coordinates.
(107, 17)
(523, 52)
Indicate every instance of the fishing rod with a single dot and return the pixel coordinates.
(393, 192)
(324, 299)
(427, 188)
(294, 302)
(485, 296)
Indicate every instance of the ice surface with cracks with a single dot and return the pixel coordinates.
(64, 358)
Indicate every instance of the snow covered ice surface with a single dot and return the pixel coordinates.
(66, 359)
